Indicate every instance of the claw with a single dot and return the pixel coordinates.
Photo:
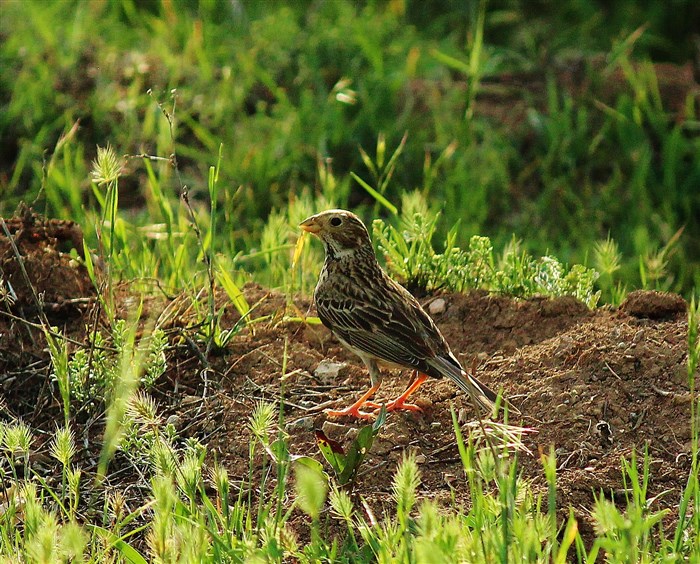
(354, 409)
(373, 405)
(351, 411)
(400, 402)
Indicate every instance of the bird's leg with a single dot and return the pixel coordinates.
(400, 402)
(354, 409)
(375, 376)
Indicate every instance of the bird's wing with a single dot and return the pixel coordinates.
(391, 327)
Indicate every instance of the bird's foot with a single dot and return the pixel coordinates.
(373, 405)
(352, 411)
(401, 404)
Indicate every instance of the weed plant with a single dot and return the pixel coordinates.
(410, 255)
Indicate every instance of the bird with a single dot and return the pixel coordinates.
(377, 319)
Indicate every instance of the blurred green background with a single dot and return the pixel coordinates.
(567, 125)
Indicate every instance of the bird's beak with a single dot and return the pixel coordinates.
(310, 225)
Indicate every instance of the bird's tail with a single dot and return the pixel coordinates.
(484, 396)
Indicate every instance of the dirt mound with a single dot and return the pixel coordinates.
(594, 384)
(654, 305)
(39, 279)
(38, 251)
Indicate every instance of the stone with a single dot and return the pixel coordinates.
(303, 424)
(328, 370)
(174, 420)
(437, 306)
(334, 430)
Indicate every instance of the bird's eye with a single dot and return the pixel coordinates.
(336, 221)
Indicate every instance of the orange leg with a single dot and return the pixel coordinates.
(400, 402)
(354, 409)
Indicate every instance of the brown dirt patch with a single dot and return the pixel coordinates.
(46, 277)
(45, 283)
(594, 384)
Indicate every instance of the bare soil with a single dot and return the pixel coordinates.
(594, 385)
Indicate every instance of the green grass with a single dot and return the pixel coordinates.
(296, 99)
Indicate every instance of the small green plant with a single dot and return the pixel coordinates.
(16, 443)
(106, 170)
(626, 536)
(146, 438)
(653, 265)
(58, 349)
(607, 261)
(410, 255)
(345, 465)
(93, 371)
(63, 450)
(121, 382)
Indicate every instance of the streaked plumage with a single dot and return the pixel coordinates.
(375, 317)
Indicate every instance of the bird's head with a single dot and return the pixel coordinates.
(341, 232)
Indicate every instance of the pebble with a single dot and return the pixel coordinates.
(174, 420)
(333, 430)
(328, 370)
(437, 306)
(303, 423)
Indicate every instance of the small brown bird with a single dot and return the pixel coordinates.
(376, 318)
